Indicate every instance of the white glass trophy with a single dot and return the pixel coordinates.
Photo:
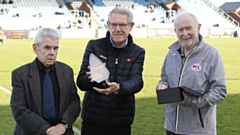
(99, 72)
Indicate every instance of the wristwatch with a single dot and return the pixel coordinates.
(65, 124)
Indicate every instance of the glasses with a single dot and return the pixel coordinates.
(122, 26)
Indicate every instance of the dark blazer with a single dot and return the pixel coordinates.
(26, 99)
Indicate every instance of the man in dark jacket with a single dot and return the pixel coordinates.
(110, 111)
(44, 98)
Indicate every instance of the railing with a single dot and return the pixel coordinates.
(221, 12)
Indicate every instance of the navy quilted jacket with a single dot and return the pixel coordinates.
(125, 66)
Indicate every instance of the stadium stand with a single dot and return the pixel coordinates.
(33, 14)
(202, 8)
(232, 9)
(206, 9)
(151, 15)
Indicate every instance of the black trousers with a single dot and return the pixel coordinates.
(89, 128)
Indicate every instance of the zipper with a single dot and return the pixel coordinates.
(116, 61)
(180, 79)
(115, 80)
(176, 122)
(116, 65)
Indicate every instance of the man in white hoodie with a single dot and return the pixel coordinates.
(197, 65)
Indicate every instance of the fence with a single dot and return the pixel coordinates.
(136, 32)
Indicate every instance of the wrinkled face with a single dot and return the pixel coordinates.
(47, 51)
(119, 28)
(187, 30)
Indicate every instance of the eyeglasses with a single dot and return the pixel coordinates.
(122, 26)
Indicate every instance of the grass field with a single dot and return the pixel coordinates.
(149, 115)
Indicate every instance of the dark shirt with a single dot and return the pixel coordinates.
(53, 76)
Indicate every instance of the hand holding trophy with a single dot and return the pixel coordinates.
(99, 72)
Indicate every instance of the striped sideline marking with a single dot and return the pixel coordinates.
(10, 93)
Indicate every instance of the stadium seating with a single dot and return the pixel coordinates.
(208, 13)
(142, 17)
(32, 14)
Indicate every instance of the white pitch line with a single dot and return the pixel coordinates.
(6, 90)
(76, 130)
(10, 93)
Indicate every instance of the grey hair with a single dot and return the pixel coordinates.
(121, 10)
(181, 12)
(45, 32)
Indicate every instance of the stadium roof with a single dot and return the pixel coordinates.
(230, 6)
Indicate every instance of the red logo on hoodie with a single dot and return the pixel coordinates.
(196, 67)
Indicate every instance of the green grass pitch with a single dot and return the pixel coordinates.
(149, 115)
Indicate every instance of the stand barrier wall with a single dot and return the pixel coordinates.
(136, 33)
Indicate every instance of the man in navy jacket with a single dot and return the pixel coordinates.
(110, 111)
